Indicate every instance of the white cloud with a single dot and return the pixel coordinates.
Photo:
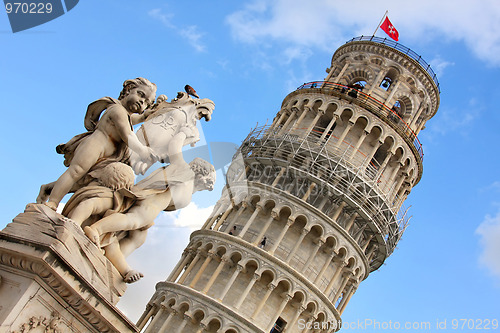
(192, 216)
(190, 33)
(489, 231)
(439, 65)
(451, 120)
(157, 257)
(327, 23)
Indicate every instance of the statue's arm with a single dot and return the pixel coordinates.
(174, 149)
(121, 123)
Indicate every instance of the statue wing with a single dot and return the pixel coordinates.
(94, 111)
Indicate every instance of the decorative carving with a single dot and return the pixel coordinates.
(114, 213)
(50, 324)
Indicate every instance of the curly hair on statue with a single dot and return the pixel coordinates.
(131, 84)
(117, 175)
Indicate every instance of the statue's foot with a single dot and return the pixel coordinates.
(133, 276)
(52, 205)
(92, 235)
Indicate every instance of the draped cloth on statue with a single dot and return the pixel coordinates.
(159, 181)
(94, 111)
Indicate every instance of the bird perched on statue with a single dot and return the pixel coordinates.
(190, 90)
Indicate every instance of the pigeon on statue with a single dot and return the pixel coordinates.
(190, 90)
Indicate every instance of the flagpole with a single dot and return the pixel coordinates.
(381, 22)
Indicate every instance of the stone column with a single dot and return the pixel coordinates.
(250, 221)
(186, 256)
(338, 210)
(190, 267)
(393, 175)
(254, 279)
(145, 316)
(275, 182)
(300, 310)
(341, 289)
(303, 234)
(367, 242)
(350, 223)
(166, 323)
(361, 139)
(344, 133)
(345, 296)
(270, 288)
(302, 116)
(398, 185)
(202, 269)
(224, 260)
(341, 72)
(325, 266)
(223, 218)
(289, 222)
(376, 82)
(287, 122)
(280, 119)
(334, 278)
(311, 320)
(370, 155)
(311, 256)
(183, 324)
(261, 234)
(308, 192)
(417, 115)
(278, 312)
(244, 205)
(211, 220)
(322, 203)
(157, 316)
(353, 290)
(202, 328)
(329, 127)
(393, 90)
(229, 283)
(313, 123)
(384, 164)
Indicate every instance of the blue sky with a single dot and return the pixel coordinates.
(246, 56)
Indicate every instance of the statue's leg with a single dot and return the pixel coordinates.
(135, 239)
(84, 159)
(114, 254)
(87, 208)
(139, 216)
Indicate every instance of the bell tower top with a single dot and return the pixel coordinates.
(389, 73)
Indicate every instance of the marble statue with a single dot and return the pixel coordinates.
(108, 138)
(114, 212)
(128, 211)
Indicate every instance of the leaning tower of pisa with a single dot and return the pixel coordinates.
(313, 202)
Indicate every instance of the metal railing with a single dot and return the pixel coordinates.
(339, 172)
(403, 49)
(373, 105)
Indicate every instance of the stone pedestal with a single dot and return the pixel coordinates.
(53, 279)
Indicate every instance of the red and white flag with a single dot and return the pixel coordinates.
(389, 29)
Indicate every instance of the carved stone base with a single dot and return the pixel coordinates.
(53, 279)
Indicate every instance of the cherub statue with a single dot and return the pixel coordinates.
(129, 213)
(108, 138)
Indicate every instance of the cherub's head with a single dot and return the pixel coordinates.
(116, 175)
(204, 178)
(137, 95)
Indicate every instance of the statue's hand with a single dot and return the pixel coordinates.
(44, 193)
